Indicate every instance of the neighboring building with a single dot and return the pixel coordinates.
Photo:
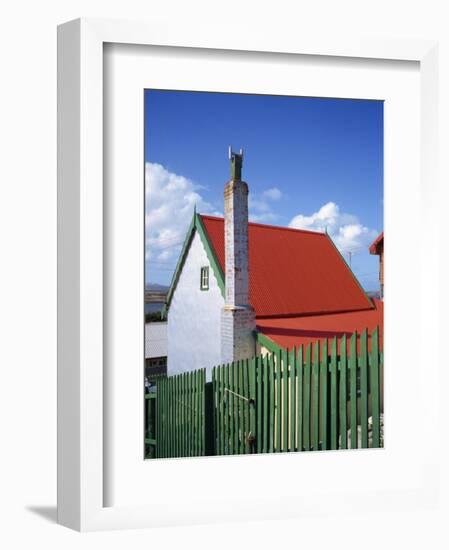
(155, 349)
(377, 248)
(242, 288)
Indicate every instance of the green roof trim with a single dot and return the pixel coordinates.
(218, 272)
(267, 342)
(195, 225)
(179, 265)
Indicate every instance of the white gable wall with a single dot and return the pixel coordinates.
(194, 316)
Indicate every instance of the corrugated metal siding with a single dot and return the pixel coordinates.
(293, 272)
(155, 340)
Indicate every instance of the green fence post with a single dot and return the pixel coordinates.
(259, 402)
(218, 412)
(266, 425)
(271, 373)
(300, 394)
(285, 419)
(316, 396)
(343, 394)
(240, 412)
(164, 418)
(353, 389)
(374, 375)
(183, 405)
(278, 401)
(307, 397)
(334, 396)
(231, 410)
(364, 387)
(225, 398)
(253, 433)
(245, 405)
(208, 416)
(292, 377)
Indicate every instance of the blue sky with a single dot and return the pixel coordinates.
(309, 162)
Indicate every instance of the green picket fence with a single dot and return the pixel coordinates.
(322, 396)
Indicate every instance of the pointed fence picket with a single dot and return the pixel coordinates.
(325, 395)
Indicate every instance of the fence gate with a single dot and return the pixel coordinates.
(234, 390)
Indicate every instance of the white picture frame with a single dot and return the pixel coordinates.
(81, 338)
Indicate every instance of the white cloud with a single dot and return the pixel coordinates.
(169, 203)
(347, 232)
(259, 205)
(274, 194)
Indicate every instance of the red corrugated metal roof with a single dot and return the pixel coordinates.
(294, 331)
(292, 271)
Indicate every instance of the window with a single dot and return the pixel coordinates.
(204, 284)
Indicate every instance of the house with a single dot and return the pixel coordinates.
(377, 248)
(241, 289)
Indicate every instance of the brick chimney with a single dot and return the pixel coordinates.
(237, 319)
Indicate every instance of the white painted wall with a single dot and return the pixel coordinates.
(194, 317)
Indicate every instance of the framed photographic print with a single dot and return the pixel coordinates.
(267, 336)
(225, 308)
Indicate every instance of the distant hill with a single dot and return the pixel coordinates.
(373, 294)
(156, 287)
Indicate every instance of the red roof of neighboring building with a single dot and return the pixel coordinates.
(294, 331)
(375, 245)
(293, 272)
